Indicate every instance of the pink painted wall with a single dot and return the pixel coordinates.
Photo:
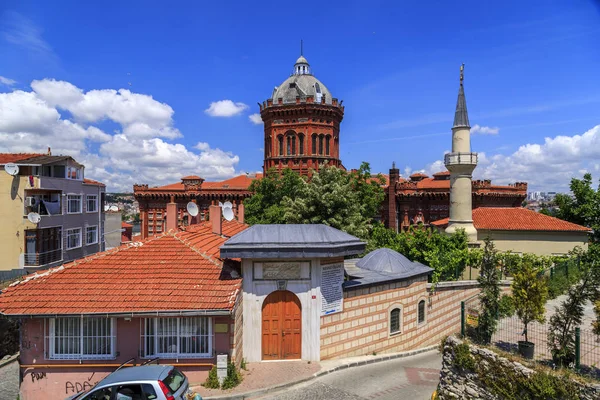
(52, 382)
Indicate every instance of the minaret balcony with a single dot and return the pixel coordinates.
(460, 159)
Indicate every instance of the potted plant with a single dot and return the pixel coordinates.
(530, 292)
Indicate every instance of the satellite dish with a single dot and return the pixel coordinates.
(227, 204)
(114, 208)
(220, 204)
(11, 169)
(34, 217)
(228, 213)
(192, 208)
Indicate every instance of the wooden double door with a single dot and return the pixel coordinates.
(281, 326)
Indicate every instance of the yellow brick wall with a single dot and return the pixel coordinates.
(363, 326)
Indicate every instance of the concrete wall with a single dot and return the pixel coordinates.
(363, 327)
(112, 229)
(13, 225)
(255, 291)
(58, 379)
(540, 243)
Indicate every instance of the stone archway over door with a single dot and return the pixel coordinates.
(281, 326)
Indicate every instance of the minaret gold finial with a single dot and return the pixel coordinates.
(462, 73)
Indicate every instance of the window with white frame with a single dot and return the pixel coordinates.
(186, 337)
(73, 203)
(81, 338)
(395, 320)
(421, 312)
(92, 203)
(91, 235)
(73, 238)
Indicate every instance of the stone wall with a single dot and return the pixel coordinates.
(363, 326)
(473, 372)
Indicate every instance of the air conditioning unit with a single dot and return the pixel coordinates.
(30, 201)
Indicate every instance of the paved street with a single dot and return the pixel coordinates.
(413, 378)
(9, 381)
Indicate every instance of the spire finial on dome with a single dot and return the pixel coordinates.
(301, 48)
(461, 117)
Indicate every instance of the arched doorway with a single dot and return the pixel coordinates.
(281, 326)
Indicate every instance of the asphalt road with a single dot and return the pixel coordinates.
(413, 378)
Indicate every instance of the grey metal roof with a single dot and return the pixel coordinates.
(140, 373)
(44, 159)
(382, 265)
(461, 117)
(302, 85)
(291, 241)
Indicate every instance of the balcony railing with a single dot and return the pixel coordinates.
(460, 158)
(39, 259)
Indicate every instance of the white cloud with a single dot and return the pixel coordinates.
(138, 152)
(225, 108)
(7, 81)
(547, 166)
(23, 32)
(484, 130)
(255, 119)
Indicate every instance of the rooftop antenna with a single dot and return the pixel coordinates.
(462, 73)
(11, 168)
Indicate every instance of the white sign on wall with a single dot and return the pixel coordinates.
(332, 296)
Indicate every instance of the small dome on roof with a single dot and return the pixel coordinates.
(389, 261)
(302, 83)
(301, 60)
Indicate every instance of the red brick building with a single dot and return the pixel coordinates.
(155, 202)
(424, 199)
(302, 123)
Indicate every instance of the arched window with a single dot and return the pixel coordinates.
(289, 145)
(314, 143)
(280, 138)
(327, 138)
(301, 143)
(321, 144)
(395, 320)
(421, 312)
(317, 88)
(294, 145)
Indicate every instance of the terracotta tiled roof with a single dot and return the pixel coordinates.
(516, 219)
(418, 175)
(126, 225)
(175, 271)
(93, 182)
(14, 157)
(442, 173)
(241, 182)
(191, 177)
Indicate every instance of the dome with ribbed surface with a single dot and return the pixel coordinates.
(389, 261)
(301, 83)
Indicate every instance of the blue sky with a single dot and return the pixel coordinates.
(531, 76)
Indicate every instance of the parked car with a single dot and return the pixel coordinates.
(148, 382)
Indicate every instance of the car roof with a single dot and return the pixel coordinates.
(141, 373)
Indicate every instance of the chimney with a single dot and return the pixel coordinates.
(172, 215)
(240, 210)
(215, 219)
(49, 151)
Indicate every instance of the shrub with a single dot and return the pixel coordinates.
(9, 336)
(212, 382)
(233, 377)
(463, 358)
(506, 307)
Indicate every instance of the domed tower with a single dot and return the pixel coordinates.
(302, 123)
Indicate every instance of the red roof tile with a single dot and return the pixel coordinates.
(14, 157)
(418, 175)
(196, 177)
(126, 225)
(92, 182)
(442, 173)
(241, 182)
(170, 272)
(516, 219)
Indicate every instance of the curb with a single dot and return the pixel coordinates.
(12, 359)
(276, 388)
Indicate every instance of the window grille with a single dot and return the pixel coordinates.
(73, 238)
(395, 320)
(91, 235)
(75, 338)
(92, 203)
(73, 203)
(189, 337)
(421, 317)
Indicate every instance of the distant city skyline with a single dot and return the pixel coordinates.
(147, 93)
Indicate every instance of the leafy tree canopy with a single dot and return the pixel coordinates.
(448, 255)
(583, 207)
(344, 200)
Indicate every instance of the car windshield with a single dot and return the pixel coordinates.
(174, 380)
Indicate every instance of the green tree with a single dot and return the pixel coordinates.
(344, 200)
(448, 255)
(489, 282)
(583, 207)
(529, 294)
(266, 204)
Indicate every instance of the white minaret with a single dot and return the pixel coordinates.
(461, 163)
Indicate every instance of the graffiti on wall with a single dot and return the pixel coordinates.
(72, 387)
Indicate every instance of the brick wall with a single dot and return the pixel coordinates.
(237, 345)
(363, 327)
